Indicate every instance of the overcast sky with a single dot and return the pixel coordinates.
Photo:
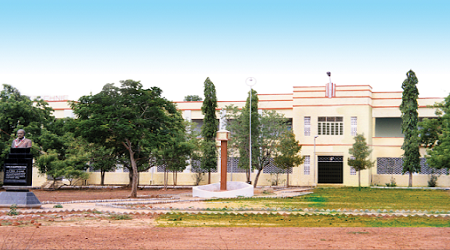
(74, 47)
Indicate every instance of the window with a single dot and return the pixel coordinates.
(307, 124)
(354, 125)
(352, 169)
(330, 125)
(306, 165)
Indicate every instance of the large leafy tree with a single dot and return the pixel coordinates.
(209, 128)
(410, 119)
(360, 153)
(435, 134)
(289, 153)
(131, 117)
(239, 125)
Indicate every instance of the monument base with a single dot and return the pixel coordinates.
(20, 198)
(234, 189)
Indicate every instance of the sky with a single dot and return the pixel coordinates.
(74, 47)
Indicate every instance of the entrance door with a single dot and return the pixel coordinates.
(331, 169)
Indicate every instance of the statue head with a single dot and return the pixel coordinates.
(20, 133)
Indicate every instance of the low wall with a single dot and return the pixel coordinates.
(418, 180)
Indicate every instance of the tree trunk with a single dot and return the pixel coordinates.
(134, 182)
(174, 178)
(359, 180)
(102, 177)
(287, 178)
(410, 179)
(166, 179)
(257, 177)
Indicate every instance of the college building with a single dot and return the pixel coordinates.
(325, 120)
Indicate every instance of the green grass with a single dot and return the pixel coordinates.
(351, 198)
(276, 220)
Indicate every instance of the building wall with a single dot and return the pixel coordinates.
(377, 116)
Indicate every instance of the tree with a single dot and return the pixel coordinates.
(69, 161)
(239, 125)
(288, 156)
(174, 154)
(103, 159)
(410, 118)
(193, 98)
(209, 128)
(360, 153)
(435, 134)
(131, 117)
(272, 127)
(20, 112)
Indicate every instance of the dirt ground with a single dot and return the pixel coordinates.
(90, 231)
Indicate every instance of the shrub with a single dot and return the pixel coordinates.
(432, 182)
(12, 210)
(58, 206)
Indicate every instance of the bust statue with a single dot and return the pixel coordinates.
(21, 141)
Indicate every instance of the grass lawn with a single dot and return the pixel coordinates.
(278, 220)
(351, 198)
(324, 198)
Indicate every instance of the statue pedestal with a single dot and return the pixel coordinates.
(19, 196)
(17, 178)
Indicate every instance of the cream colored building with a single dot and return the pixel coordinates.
(324, 119)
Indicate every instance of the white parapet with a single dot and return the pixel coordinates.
(234, 189)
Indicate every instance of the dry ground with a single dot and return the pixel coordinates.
(89, 231)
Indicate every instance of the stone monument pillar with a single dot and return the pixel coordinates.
(17, 178)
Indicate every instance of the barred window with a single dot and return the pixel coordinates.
(330, 125)
(354, 126)
(307, 165)
(307, 124)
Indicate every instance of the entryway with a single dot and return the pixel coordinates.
(331, 169)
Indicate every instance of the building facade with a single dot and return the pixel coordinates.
(325, 120)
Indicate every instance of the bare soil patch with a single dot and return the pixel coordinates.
(119, 237)
(64, 195)
(89, 230)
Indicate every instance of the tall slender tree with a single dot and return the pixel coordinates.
(239, 124)
(410, 119)
(360, 152)
(209, 128)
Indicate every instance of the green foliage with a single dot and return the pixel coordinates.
(20, 112)
(435, 134)
(288, 156)
(239, 126)
(130, 118)
(192, 98)
(392, 183)
(120, 217)
(70, 160)
(432, 182)
(174, 153)
(209, 128)
(58, 206)
(360, 152)
(103, 159)
(410, 118)
(12, 210)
